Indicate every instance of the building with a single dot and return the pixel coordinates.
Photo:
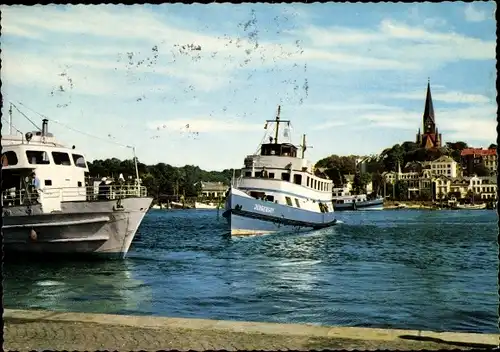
(213, 189)
(444, 165)
(471, 157)
(485, 187)
(430, 137)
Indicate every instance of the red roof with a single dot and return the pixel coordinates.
(478, 152)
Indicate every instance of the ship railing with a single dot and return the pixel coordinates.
(89, 193)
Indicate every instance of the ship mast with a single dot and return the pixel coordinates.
(277, 120)
(304, 146)
(10, 119)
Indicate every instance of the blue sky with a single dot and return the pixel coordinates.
(351, 76)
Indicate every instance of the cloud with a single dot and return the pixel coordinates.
(201, 125)
(411, 45)
(474, 15)
(447, 97)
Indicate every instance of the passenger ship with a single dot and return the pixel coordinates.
(278, 191)
(64, 216)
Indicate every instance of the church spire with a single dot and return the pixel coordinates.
(429, 108)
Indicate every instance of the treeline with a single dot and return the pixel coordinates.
(408, 152)
(161, 179)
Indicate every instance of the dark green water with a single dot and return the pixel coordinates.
(434, 270)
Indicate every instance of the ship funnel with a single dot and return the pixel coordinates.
(45, 127)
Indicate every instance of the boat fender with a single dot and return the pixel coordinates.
(33, 235)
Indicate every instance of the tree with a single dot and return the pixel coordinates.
(480, 170)
(401, 190)
(425, 195)
(360, 182)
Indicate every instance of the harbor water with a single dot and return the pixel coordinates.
(409, 269)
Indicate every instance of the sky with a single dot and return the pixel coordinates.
(194, 84)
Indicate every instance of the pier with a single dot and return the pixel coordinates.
(40, 330)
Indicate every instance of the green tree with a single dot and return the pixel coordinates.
(480, 170)
(401, 190)
(425, 195)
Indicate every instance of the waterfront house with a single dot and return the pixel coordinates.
(213, 189)
(445, 165)
(471, 157)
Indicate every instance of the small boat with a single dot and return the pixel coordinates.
(278, 191)
(471, 206)
(200, 205)
(63, 215)
(342, 200)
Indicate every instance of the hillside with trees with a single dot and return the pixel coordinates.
(161, 179)
(407, 152)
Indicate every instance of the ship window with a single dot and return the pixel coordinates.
(48, 182)
(308, 180)
(248, 174)
(270, 198)
(297, 203)
(258, 195)
(61, 158)
(258, 174)
(9, 158)
(79, 160)
(271, 175)
(297, 178)
(315, 183)
(79, 184)
(37, 157)
(285, 176)
(289, 201)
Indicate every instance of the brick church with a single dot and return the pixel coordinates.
(430, 138)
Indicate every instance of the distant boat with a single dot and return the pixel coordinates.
(278, 191)
(471, 206)
(342, 200)
(199, 205)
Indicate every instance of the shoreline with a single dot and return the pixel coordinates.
(39, 329)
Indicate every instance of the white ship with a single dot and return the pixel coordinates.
(278, 191)
(343, 200)
(63, 215)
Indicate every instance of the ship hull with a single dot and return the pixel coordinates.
(103, 229)
(375, 204)
(249, 216)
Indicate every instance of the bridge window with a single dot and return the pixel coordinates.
(285, 176)
(61, 158)
(308, 181)
(270, 198)
(297, 178)
(79, 160)
(271, 175)
(37, 157)
(9, 158)
(79, 183)
(48, 182)
(248, 174)
(315, 184)
(289, 201)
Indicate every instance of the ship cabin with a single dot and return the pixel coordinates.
(56, 167)
(278, 175)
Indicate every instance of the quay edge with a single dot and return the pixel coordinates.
(185, 334)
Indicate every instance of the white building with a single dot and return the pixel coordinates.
(444, 165)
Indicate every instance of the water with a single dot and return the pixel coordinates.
(434, 270)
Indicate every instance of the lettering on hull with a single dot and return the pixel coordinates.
(263, 208)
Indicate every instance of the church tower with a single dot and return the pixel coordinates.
(430, 137)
